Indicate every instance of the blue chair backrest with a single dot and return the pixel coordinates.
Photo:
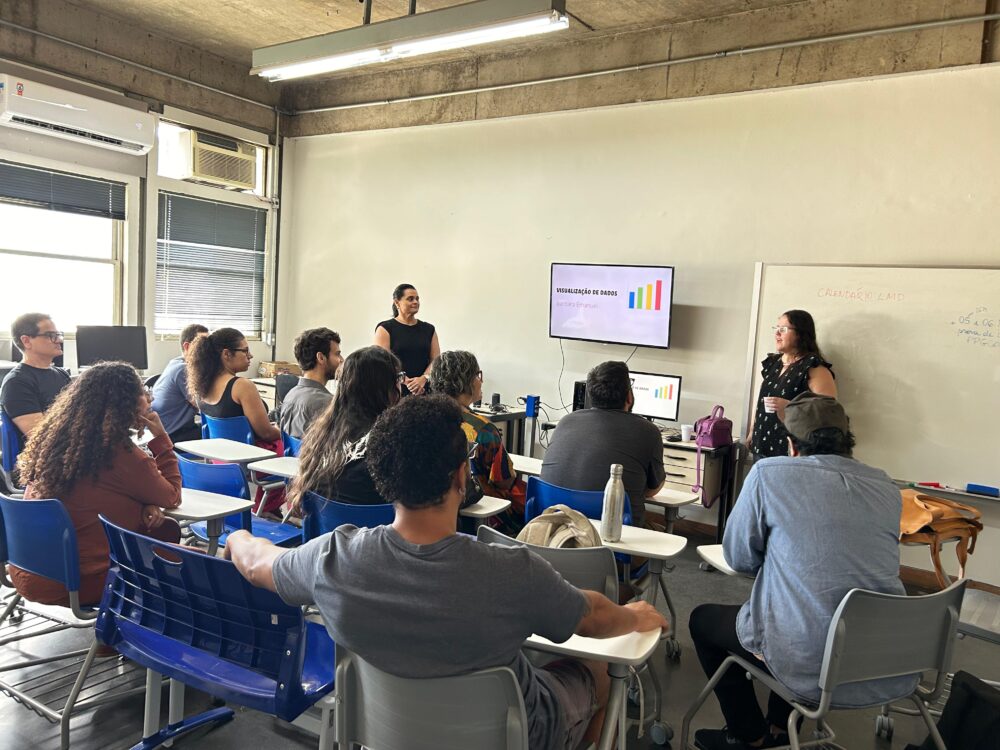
(292, 444)
(40, 538)
(541, 495)
(203, 602)
(320, 516)
(222, 479)
(230, 428)
(10, 443)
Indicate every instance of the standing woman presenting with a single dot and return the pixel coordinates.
(413, 341)
(797, 366)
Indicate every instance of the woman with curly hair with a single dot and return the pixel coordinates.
(82, 454)
(332, 460)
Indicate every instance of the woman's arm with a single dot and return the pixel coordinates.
(382, 338)
(418, 384)
(245, 394)
(821, 381)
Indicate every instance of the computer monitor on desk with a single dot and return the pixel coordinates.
(111, 343)
(656, 396)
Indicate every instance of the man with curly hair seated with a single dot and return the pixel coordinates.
(417, 600)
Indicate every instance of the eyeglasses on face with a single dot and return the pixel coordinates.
(783, 329)
(52, 336)
(245, 350)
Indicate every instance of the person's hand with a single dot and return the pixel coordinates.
(227, 551)
(152, 516)
(151, 421)
(777, 405)
(647, 617)
(416, 385)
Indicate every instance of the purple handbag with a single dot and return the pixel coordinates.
(713, 431)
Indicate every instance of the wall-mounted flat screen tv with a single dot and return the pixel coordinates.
(609, 304)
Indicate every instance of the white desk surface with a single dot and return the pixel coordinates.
(280, 466)
(674, 498)
(486, 507)
(198, 505)
(645, 542)
(713, 555)
(632, 649)
(526, 464)
(220, 449)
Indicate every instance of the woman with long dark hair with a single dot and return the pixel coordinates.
(82, 454)
(213, 368)
(796, 366)
(332, 460)
(414, 341)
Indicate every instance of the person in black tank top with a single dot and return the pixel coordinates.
(226, 406)
(414, 341)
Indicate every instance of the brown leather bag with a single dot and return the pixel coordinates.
(932, 521)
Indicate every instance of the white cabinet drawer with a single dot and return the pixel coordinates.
(683, 474)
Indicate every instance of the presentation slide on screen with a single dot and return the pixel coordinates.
(656, 395)
(618, 304)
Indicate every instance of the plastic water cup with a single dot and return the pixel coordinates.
(686, 432)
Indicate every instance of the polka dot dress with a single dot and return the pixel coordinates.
(769, 435)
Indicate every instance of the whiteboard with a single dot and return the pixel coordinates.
(916, 354)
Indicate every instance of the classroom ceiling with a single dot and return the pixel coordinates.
(234, 28)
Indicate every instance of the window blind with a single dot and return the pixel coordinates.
(58, 191)
(209, 264)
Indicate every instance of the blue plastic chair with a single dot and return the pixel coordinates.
(195, 619)
(228, 479)
(320, 516)
(292, 444)
(39, 537)
(10, 447)
(230, 428)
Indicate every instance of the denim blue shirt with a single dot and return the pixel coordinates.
(170, 396)
(812, 528)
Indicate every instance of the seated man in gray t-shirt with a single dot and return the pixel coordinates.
(416, 599)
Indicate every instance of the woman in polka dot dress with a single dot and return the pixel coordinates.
(797, 366)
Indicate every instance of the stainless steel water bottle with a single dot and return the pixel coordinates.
(613, 508)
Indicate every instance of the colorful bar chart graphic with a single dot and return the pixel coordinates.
(666, 392)
(648, 294)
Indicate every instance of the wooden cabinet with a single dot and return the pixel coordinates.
(680, 462)
(267, 390)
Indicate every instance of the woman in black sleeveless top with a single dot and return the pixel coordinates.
(413, 341)
(797, 366)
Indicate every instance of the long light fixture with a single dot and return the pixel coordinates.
(459, 26)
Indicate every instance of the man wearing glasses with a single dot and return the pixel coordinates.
(31, 387)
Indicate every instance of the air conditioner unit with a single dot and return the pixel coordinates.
(44, 109)
(218, 160)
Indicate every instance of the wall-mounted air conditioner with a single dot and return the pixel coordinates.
(218, 160)
(44, 109)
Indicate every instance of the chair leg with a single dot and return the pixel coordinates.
(14, 601)
(67, 712)
(793, 729)
(929, 721)
(151, 712)
(327, 727)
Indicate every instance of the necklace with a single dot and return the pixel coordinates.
(785, 365)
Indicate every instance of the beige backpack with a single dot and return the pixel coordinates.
(560, 526)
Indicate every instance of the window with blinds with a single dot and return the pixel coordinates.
(209, 265)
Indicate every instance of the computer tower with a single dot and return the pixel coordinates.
(581, 399)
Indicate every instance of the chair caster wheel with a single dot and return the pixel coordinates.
(673, 649)
(884, 727)
(706, 567)
(661, 734)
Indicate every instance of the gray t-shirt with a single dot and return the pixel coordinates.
(588, 441)
(812, 528)
(436, 610)
(302, 406)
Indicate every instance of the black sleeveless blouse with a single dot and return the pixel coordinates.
(769, 435)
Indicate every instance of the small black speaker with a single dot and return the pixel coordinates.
(580, 399)
(495, 400)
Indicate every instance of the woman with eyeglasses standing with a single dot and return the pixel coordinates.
(796, 366)
(332, 460)
(414, 341)
(212, 369)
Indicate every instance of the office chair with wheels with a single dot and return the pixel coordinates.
(482, 710)
(196, 620)
(320, 516)
(283, 383)
(38, 536)
(871, 636)
(228, 479)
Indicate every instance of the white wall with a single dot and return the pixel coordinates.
(898, 170)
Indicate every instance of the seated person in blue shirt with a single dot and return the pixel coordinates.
(30, 388)
(317, 350)
(811, 526)
(416, 599)
(171, 399)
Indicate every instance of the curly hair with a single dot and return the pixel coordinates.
(453, 372)
(311, 342)
(366, 387)
(83, 429)
(415, 448)
(204, 361)
(608, 385)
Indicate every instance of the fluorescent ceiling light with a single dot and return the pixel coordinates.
(451, 28)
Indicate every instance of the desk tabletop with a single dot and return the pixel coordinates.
(280, 466)
(668, 498)
(198, 505)
(645, 542)
(526, 464)
(714, 556)
(632, 649)
(221, 449)
(486, 507)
